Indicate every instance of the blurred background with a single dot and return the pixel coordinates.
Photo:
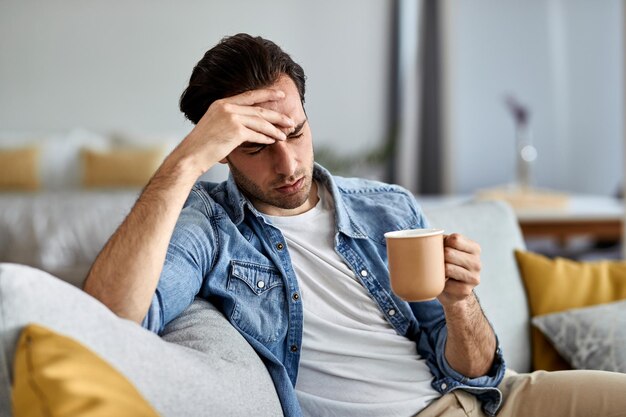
(438, 96)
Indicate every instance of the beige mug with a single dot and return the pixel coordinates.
(416, 263)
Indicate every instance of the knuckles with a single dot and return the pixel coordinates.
(453, 239)
(222, 105)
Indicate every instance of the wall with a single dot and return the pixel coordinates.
(561, 57)
(110, 66)
(117, 65)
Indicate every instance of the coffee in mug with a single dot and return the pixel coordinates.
(416, 263)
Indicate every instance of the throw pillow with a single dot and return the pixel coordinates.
(562, 284)
(121, 167)
(589, 338)
(19, 169)
(57, 376)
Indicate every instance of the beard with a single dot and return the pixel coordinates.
(270, 196)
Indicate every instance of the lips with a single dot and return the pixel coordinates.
(292, 188)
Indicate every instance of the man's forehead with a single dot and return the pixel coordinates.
(291, 104)
(283, 106)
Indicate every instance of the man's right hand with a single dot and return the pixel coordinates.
(126, 272)
(230, 122)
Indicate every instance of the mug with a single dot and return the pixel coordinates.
(416, 263)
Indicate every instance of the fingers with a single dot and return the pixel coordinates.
(252, 97)
(458, 273)
(462, 261)
(248, 102)
(273, 117)
(245, 117)
(261, 126)
(256, 118)
(469, 261)
(461, 243)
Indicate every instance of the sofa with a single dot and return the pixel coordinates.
(200, 365)
(63, 193)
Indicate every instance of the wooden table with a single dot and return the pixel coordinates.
(598, 217)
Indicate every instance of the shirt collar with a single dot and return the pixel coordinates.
(343, 214)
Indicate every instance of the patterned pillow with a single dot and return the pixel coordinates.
(589, 338)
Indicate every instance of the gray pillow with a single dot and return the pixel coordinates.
(590, 337)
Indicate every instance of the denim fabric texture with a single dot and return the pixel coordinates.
(223, 250)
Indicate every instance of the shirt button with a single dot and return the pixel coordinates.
(280, 246)
(260, 284)
(295, 296)
(294, 348)
(364, 273)
(444, 386)
(392, 312)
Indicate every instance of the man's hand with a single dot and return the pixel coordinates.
(462, 265)
(126, 272)
(471, 344)
(231, 121)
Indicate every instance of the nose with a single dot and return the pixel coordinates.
(284, 158)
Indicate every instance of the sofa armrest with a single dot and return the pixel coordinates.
(494, 226)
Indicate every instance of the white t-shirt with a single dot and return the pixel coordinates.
(353, 363)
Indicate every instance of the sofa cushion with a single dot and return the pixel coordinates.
(226, 380)
(60, 232)
(124, 167)
(494, 226)
(590, 337)
(19, 169)
(57, 376)
(562, 284)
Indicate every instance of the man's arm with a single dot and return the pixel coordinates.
(471, 343)
(125, 274)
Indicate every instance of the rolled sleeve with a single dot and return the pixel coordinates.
(154, 319)
(491, 379)
(431, 345)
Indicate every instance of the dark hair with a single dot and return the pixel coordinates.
(236, 64)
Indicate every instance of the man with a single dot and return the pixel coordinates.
(296, 260)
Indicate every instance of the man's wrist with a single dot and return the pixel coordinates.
(458, 305)
(181, 168)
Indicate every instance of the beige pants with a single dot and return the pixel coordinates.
(544, 394)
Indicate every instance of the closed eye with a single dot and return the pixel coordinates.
(255, 150)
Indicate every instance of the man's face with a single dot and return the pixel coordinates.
(278, 178)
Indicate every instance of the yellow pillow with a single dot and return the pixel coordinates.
(561, 284)
(120, 167)
(19, 168)
(57, 376)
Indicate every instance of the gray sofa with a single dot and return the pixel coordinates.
(201, 366)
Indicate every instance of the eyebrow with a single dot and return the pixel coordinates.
(250, 145)
(297, 129)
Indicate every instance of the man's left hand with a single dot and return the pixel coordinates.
(462, 266)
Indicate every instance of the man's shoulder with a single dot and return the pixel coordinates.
(378, 207)
(370, 188)
(384, 198)
(208, 197)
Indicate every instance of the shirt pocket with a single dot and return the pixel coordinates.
(260, 306)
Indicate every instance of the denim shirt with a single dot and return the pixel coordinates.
(222, 249)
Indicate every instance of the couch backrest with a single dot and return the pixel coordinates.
(501, 292)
